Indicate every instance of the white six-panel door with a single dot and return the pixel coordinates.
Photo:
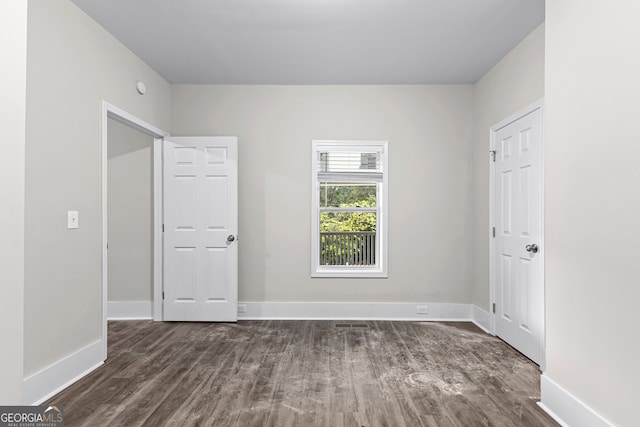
(517, 270)
(200, 212)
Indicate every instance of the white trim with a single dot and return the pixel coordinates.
(480, 318)
(382, 235)
(567, 409)
(539, 104)
(354, 311)
(130, 120)
(111, 111)
(492, 244)
(157, 229)
(51, 380)
(129, 310)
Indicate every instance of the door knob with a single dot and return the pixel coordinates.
(231, 238)
(532, 248)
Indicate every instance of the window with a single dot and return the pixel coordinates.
(349, 209)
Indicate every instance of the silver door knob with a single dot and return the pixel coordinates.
(231, 238)
(532, 248)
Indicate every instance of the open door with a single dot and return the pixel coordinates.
(200, 242)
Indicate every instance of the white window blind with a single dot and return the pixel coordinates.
(348, 165)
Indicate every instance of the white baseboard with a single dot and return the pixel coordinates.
(129, 310)
(480, 318)
(565, 408)
(51, 380)
(352, 311)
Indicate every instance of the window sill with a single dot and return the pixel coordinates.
(349, 274)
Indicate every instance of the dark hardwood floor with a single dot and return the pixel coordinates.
(305, 373)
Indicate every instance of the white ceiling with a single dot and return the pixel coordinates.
(318, 41)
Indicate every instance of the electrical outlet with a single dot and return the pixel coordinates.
(423, 309)
(242, 308)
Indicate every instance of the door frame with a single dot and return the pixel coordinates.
(122, 116)
(537, 105)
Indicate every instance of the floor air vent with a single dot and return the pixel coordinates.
(352, 325)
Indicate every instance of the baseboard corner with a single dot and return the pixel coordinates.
(480, 318)
(566, 408)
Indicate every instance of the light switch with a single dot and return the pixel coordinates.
(72, 219)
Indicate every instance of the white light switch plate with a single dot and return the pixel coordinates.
(72, 219)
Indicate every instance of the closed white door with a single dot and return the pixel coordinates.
(518, 251)
(200, 213)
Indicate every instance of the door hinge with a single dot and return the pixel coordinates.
(163, 297)
(494, 308)
(493, 154)
(493, 232)
(163, 228)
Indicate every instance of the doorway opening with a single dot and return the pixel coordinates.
(129, 222)
(116, 121)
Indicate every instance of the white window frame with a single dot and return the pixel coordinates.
(382, 246)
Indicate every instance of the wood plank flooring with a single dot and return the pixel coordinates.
(305, 373)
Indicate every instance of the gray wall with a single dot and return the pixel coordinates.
(13, 45)
(74, 64)
(130, 213)
(592, 203)
(429, 133)
(512, 84)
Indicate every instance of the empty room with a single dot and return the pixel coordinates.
(319, 212)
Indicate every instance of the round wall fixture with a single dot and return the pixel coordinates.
(141, 88)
